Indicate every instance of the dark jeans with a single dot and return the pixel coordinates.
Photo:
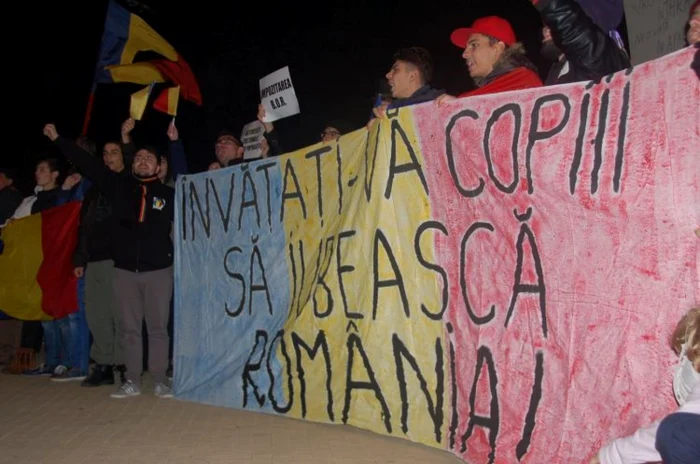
(32, 335)
(678, 438)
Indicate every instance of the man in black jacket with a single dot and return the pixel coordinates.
(580, 37)
(93, 257)
(142, 214)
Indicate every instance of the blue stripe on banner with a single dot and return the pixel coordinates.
(114, 38)
(212, 211)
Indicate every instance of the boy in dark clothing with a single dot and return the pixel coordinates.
(93, 258)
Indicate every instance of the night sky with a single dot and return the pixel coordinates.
(337, 54)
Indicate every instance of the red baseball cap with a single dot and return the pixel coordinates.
(492, 26)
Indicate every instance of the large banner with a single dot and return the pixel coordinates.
(497, 277)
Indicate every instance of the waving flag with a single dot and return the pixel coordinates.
(167, 101)
(125, 34)
(36, 270)
(139, 100)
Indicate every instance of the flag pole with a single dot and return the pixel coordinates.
(88, 111)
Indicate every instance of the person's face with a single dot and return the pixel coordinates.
(163, 169)
(330, 134)
(113, 157)
(693, 35)
(44, 176)
(481, 56)
(227, 149)
(403, 79)
(145, 164)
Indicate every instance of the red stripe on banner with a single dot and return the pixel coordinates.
(180, 73)
(59, 236)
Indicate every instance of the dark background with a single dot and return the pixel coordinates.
(337, 54)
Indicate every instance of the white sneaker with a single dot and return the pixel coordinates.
(161, 390)
(127, 390)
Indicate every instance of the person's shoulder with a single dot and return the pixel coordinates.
(165, 189)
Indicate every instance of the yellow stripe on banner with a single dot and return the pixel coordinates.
(137, 73)
(139, 100)
(143, 37)
(20, 294)
(173, 97)
(343, 236)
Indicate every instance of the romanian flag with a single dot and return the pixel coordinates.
(126, 34)
(167, 101)
(139, 100)
(36, 270)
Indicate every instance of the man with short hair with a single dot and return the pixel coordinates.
(409, 79)
(93, 258)
(142, 212)
(45, 197)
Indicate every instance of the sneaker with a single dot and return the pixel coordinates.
(161, 390)
(43, 370)
(100, 375)
(169, 373)
(127, 390)
(70, 375)
(59, 371)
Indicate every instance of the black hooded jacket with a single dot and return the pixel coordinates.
(589, 51)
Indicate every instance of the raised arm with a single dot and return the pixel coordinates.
(92, 166)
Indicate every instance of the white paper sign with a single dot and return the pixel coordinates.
(656, 27)
(277, 95)
(251, 137)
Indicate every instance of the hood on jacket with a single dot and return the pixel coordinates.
(513, 57)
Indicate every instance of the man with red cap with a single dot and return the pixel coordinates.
(580, 37)
(495, 59)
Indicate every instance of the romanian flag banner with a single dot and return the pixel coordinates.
(139, 101)
(167, 101)
(125, 34)
(36, 270)
(497, 277)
